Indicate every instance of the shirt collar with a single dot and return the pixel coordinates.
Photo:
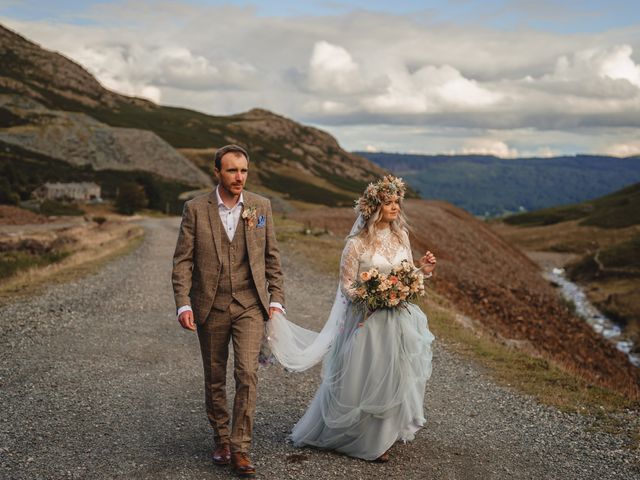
(221, 203)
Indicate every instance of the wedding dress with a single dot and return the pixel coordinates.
(375, 367)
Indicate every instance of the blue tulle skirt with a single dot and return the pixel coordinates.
(373, 384)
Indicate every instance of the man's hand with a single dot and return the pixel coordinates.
(428, 262)
(186, 320)
(272, 310)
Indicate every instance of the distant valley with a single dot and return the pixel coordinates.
(491, 186)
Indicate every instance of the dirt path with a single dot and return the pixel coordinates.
(97, 381)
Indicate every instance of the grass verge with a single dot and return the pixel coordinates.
(92, 256)
(13, 262)
(321, 250)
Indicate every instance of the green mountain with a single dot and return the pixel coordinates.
(488, 186)
(52, 109)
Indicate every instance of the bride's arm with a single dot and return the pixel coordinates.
(349, 264)
(426, 264)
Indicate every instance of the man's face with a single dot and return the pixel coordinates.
(233, 172)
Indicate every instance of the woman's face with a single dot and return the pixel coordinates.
(390, 209)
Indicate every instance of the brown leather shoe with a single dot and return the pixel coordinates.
(384, 458)
(221, 454)
(242, 465)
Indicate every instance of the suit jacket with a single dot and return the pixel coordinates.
(197, 263)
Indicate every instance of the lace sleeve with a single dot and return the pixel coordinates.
(349, 265)
(407, 245)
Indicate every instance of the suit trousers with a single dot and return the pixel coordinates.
(245, 328)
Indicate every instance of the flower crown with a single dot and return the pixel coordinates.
(377, 193)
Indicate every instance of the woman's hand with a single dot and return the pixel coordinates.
(427, 263)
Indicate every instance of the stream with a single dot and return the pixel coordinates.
(599, 322)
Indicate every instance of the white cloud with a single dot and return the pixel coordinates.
(326, 106)
(152, 93)
(613, 63)
(370, 75)
(332, 69)
(431, 89)
(629, 149)
(486, 147)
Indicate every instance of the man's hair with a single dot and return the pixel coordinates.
(222, 151)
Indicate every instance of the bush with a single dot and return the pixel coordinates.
(131, 198)
(7, 195)
(51, 207)
(99, 220)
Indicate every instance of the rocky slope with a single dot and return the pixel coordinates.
(290, 160)
(51, 78)
(81, 140)
(43, 95)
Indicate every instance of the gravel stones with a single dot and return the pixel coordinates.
(98, 381)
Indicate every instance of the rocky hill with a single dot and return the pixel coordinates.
(52, 79)
(80, 140)
(289, 160)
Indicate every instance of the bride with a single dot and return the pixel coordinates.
(376, 364)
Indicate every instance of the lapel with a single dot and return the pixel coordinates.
(215, 222)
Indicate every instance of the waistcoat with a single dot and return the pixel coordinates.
(235, 281)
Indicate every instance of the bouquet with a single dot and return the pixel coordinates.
(374, 290)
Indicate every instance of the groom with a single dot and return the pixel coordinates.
(226, 282)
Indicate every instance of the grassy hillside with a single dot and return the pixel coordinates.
(600, 240)
(617, 210)
(486, 185)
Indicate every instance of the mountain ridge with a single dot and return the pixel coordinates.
(486, 185)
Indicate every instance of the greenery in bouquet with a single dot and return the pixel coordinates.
(374, 290)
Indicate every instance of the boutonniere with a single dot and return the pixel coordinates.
(249, 216)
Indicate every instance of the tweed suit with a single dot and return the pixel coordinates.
(228, 284)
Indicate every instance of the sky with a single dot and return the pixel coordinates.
(509, 78)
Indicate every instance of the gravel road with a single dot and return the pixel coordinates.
(98, 382)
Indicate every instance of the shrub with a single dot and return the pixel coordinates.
(51, 207)
(131, 198)
(7, 195)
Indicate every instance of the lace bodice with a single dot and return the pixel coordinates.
(384, 252)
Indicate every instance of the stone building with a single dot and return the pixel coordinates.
(76, 191)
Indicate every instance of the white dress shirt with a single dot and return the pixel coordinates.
(230, 218)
